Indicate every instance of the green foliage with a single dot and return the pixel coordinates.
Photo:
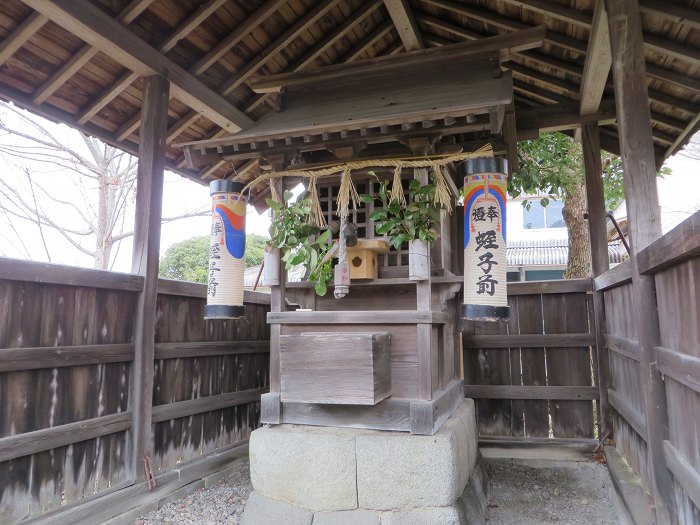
(254, 249)
(300, 242)
(554, 162)
(416, 220)
(189, 260)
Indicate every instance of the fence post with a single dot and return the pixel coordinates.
(149, 199)
(590, 143)
(637, 148)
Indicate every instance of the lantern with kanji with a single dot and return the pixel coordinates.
(485, 264)
(226, 251)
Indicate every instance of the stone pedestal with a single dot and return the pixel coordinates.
(306, 475)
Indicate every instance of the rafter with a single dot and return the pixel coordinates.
(235, 36)
(129, 77)
(20, 34)
(84, 55)
(672, 12)
(83, 18)
(254, 65)
(402, 17)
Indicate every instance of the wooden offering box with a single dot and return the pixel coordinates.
(335, 368)
(363, 258)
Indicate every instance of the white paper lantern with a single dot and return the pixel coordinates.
(485, 263)
(226, 251)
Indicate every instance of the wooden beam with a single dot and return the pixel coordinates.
(623, 346)
(235, 36)
(560, 117)
(598, 62)
(93, 25)
(19, 445)
(129, 77)
(505, 44)
(681, 244)
(251, 67)
(149, 197)
(684, 472)
(14, 359)
(530, 392)
(547, 287)
(20, 34)
(684, 136)
(590, 143)
(631, 415)
(402, 17)
(554, 11)
(638, 504)
(641, 196)
(358, 316)
(210, 348)
(84, 55)
(616, 276)
(205, 404)
(45, 273)
(681, 367)
(675, 13)
(310, 58)
(551, 341)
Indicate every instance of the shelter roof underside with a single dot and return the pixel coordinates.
(81, 61)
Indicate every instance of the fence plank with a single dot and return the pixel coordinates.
(623, 346)
(62, 356)
(31, 442)
(628, 413)
(205, 404)
(684, 473)
(210, 348)
(681, 244)
(617, 276)
(562, 286)
(530, 392)
(551, 340)
(683, 368)
(46, 273)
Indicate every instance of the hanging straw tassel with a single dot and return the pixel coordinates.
(346, 193)
(397, 193)
(273, 192)
(316, 217)
(442, 190)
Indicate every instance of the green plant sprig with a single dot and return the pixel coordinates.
(415, 221)
(300, 242)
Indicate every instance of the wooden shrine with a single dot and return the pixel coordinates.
(386, 356)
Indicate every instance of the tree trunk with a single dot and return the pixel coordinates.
(575, 206)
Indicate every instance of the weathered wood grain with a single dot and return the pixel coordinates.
(357, 317)
(629, 413)
(209, 348)
(63, 356)
(551, 341)
(37, 272)
(189, 407)
(685, 474)
(530, 392)
(337, 368)
(620, 274)
(682, 243)
(39, 440)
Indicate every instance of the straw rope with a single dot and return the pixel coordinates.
(348, 192)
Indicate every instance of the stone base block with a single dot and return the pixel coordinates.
(332, 476)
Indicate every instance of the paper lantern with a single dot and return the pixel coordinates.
(226, 251)
(485, 263)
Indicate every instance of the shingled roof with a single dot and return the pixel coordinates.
(80, 61)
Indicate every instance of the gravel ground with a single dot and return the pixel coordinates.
(524, 495)
(520, 495)
(220, 504)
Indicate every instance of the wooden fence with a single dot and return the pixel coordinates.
(674, 261)
(535, 377)
(66, 348)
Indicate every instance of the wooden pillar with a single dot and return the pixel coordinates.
(270, 403)
(149, 200)
(636, 145)
(590, 142)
